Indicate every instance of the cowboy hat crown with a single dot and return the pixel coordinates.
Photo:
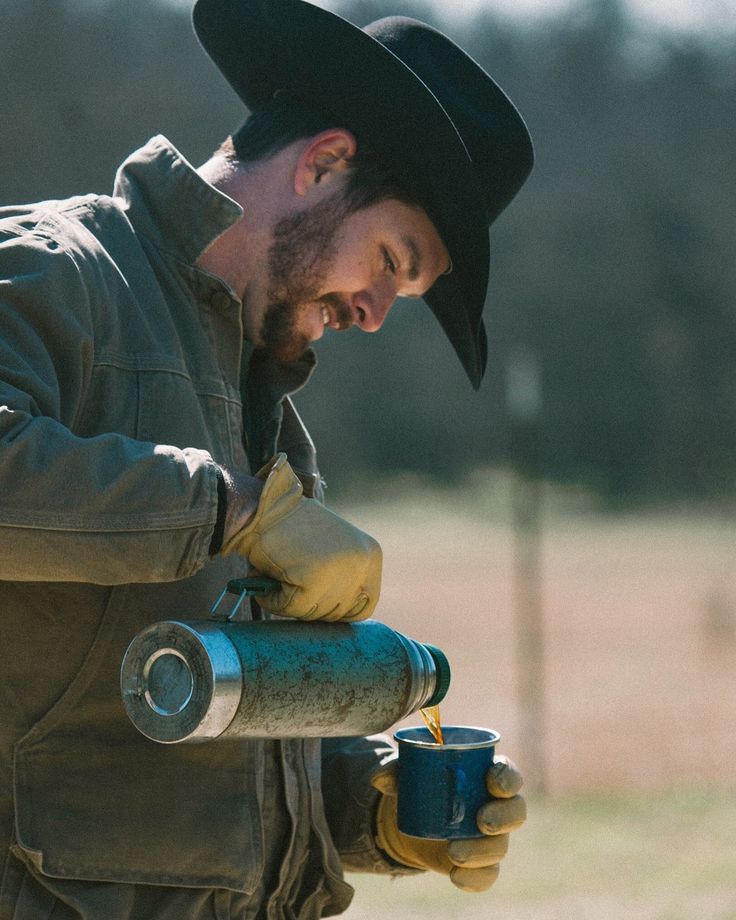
(451, 136)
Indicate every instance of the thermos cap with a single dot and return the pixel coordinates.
(444, 674)
(181, 681)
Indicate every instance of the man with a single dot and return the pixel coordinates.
(148, 346)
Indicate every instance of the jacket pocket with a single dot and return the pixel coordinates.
(95, 800)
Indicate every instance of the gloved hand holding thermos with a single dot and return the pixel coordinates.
(327, 567)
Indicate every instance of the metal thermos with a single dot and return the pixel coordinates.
(217, 678)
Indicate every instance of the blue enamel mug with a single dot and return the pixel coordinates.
(442, 786)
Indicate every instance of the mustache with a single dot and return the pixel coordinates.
(341, 310)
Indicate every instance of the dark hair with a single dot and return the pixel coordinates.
(286, 119)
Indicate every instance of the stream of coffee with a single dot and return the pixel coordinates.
(431, 716)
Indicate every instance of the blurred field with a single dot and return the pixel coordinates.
(640, 856)
(639, 820)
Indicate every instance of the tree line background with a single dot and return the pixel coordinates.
(613, 269)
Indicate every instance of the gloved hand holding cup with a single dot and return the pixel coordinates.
(449, 807)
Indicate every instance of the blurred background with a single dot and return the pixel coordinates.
(566, 534)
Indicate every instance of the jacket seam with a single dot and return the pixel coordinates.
(38, 520)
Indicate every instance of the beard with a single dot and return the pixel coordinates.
(303, 250)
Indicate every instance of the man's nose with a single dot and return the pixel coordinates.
(373, 306)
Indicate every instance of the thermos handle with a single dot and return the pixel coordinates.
(457, 791)
(251, 586)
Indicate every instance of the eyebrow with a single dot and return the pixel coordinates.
(415, 258)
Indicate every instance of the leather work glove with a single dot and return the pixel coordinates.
(472, 863)
(328, 569)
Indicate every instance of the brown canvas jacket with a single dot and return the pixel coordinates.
(119, 392)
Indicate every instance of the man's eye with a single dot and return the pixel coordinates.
(388, 262)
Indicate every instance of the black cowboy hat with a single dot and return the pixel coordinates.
(450, 135)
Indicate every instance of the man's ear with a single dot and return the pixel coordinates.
(324, 157)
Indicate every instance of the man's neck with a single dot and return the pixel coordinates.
(237, 253)
(227, 256)
(264, 189)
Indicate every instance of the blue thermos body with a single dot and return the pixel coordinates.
(217, 678)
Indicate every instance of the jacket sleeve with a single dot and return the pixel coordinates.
(351, 802)
(106, 509)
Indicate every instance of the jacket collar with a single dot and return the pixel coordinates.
(170, 203)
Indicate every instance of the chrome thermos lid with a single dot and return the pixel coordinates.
(181, 681)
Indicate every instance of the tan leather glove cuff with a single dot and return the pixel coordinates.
(328, 569)
(280, 480)
(387, 835)
(409, 851)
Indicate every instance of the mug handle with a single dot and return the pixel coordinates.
(456, 798)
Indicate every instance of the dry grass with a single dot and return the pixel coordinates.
(670, 856)
(639, 708)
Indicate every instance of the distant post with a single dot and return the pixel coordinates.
(524, 407)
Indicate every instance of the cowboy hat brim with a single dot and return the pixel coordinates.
(264, 46)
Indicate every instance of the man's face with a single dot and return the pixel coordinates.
(328, 268)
